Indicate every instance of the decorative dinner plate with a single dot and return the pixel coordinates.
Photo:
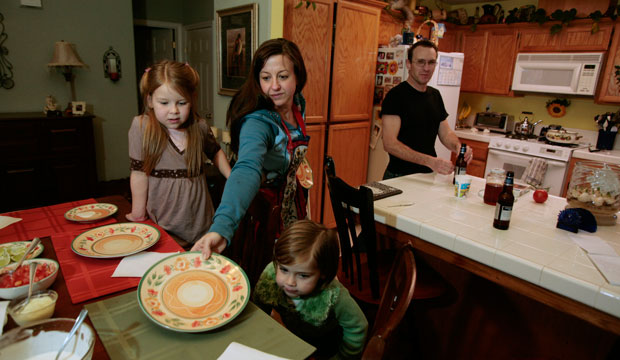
(115, 240)
(185, 293)
(15, 250)
(91, 212)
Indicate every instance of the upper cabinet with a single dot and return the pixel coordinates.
(575, 37)
(608, 89)
(489, 59)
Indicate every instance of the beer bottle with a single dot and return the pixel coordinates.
(460, 167)
(503, 207)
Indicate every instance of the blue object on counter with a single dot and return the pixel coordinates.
(574, 219)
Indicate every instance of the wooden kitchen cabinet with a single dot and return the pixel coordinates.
(608, 89)
(479, 161)
(489, 59)
(348, 60)
(45, 160)
(451, 41)
(575, 37)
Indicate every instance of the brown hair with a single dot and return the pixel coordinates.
(423, 43)
(185, 80)
(250, 96)
(305, 239)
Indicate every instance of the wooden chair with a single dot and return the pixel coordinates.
(252, 243)
(395, 301)
(364, 269)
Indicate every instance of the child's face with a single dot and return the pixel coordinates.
(277, 80)
(171, 109)
(298, 279)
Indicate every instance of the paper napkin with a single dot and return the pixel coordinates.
(236, 351)
(609, 266)
(593, 244)
(7, 220)
(3, 314)
(136, 265)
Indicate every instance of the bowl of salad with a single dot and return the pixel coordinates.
(16, 284)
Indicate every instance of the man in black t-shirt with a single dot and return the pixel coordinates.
(413, 115)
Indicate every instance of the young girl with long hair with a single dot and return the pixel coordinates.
(301, 286)
(168, 146)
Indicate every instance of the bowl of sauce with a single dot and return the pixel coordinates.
(41, 306)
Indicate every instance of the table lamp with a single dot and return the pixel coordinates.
(65, 59)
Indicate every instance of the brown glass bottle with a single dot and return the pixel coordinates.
(503, 207)
(460, 167)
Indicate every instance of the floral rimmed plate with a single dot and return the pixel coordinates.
(185, 293)
(13, 251)
(91, 212)
(115, 240)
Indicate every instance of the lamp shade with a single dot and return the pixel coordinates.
(65, 55)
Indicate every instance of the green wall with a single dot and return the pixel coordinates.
(92, 26)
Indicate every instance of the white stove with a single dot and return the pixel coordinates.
(517, 154)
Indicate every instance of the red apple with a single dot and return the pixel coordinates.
(540, 196)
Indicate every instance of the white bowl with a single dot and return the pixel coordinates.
(43, 284)
(44, 338)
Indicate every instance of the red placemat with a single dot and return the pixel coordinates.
(46, 221)
(89, 278)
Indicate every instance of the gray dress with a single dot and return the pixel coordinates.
(180, 205)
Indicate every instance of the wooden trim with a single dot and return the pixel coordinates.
(569, 306)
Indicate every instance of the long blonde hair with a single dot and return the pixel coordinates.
(185, 80)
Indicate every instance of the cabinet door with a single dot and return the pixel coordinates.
(347, 144)
(538, 39)
(474, 46)
(580, 38)
(316, 151)
(311, 30)
(450, 41)
(500, 58)
(609, 91)
(354, 61)
(478, 163)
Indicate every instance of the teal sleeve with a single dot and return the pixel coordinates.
(255, 139)
(354, 326)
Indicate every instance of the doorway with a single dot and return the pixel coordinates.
(154, 41)
(199, 52)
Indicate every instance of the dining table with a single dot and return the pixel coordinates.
(533, 257)
(122, 329)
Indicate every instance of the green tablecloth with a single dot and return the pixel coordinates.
(127, 333)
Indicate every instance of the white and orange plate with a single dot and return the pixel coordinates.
(91, 212)
(115, 240)
(185, 293)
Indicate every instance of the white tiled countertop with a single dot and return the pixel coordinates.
(532, 249)
(608, 156)
(477, 135)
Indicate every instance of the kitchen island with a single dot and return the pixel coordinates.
(532, 258)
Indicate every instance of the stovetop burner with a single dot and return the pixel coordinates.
(543, 139)
(515, 136)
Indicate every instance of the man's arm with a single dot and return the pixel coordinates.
(391, 144)
(449, 139)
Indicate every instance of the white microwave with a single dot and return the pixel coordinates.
(557, 73)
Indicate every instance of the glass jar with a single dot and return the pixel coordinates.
(494, 185)
(595, 187)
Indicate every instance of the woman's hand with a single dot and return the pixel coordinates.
(209, 243)
(134, 218)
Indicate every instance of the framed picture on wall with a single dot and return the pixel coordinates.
(237, 31)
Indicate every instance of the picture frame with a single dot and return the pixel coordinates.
(78, 107)
(236, 42)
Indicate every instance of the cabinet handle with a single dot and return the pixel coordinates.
(18, 171)
(55, 131)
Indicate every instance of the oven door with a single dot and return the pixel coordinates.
(518, 163)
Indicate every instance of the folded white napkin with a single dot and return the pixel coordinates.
(7, 220)
(609, 266)
(236, 351)
(602, 255)
(3, 314)
(136, 265)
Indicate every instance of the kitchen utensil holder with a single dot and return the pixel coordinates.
(606, 139)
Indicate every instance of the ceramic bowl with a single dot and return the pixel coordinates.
(40, 307)
(43, 339)
(43, 284)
